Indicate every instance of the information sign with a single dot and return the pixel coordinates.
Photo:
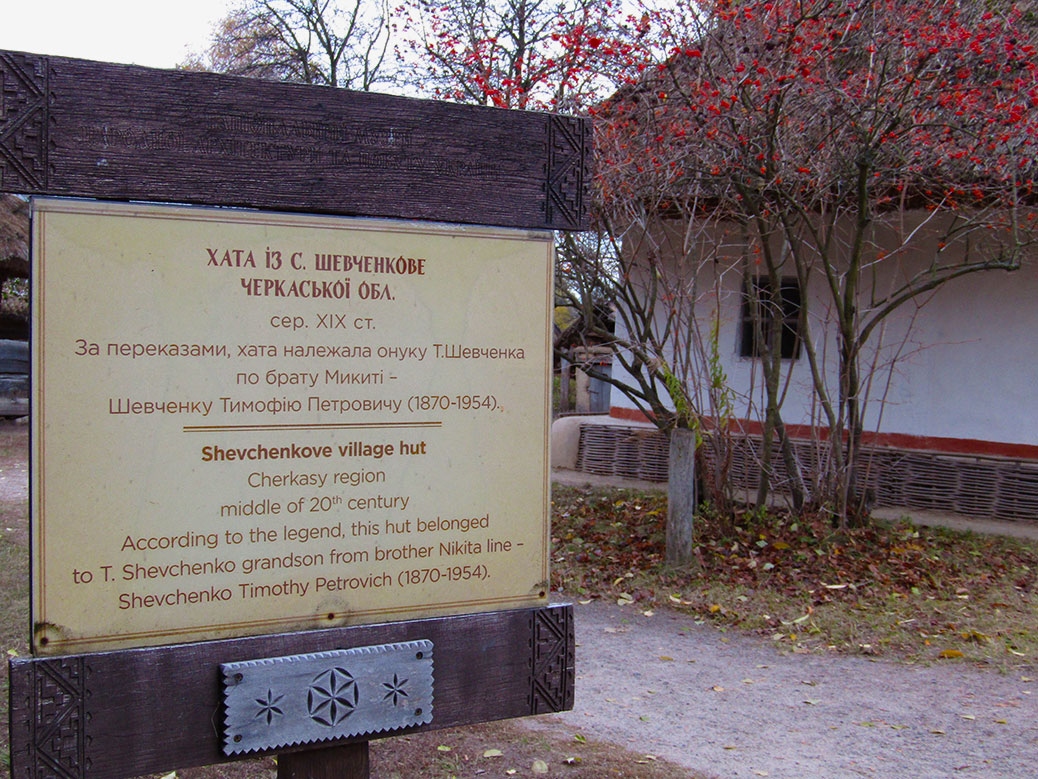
(250, 423)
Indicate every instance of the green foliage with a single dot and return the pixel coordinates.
(720, 388)
(684, 414)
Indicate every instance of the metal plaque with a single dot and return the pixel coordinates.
(302, 699)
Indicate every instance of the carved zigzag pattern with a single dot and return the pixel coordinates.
(58, 740)
(567, 172)
(552, 660)
(23, 122)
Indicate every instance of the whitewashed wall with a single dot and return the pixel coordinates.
(966, 364)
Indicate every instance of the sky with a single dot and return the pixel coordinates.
(140, 32)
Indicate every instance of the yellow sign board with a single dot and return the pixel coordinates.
(252, 423)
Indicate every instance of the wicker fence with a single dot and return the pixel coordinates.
(975, 486)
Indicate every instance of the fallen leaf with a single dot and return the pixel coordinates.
(572, 760)
(580, 738)
(948, 654)
(443, 748)
(731, 746)
(583, 602)
(666, 658)
(717, 688)
(12, 653)
(624, 599)
(1001, 722)
(967, 716)
(540, 767)
(643, 718)
(812, 701)
(170, 775)
(716, 607)
(511, 772)
(648, 613)
(493, 753)
(937, 732)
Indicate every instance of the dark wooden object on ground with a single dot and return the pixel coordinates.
(347, 762)
(122, 132)
(139, 711)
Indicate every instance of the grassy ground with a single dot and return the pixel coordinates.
(890, 589)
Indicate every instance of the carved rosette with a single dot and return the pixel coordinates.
(24, 122)
(58, 740)
(552, 660)
(568, 169)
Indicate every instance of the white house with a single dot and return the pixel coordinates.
(952, 407)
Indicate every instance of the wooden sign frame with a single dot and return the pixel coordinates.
(121, 132)
(78, 128)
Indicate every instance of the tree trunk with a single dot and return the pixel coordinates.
(681, 496)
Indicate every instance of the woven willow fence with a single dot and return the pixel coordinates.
(975, 486)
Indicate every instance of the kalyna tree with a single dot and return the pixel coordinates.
(872, 151)
(832, 143)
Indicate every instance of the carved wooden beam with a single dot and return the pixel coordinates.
(139, 711)
(120, 132)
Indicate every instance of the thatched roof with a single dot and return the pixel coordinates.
(14, 237)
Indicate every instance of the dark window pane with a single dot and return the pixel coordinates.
(778, 318)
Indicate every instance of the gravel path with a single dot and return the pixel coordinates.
(732, 706)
